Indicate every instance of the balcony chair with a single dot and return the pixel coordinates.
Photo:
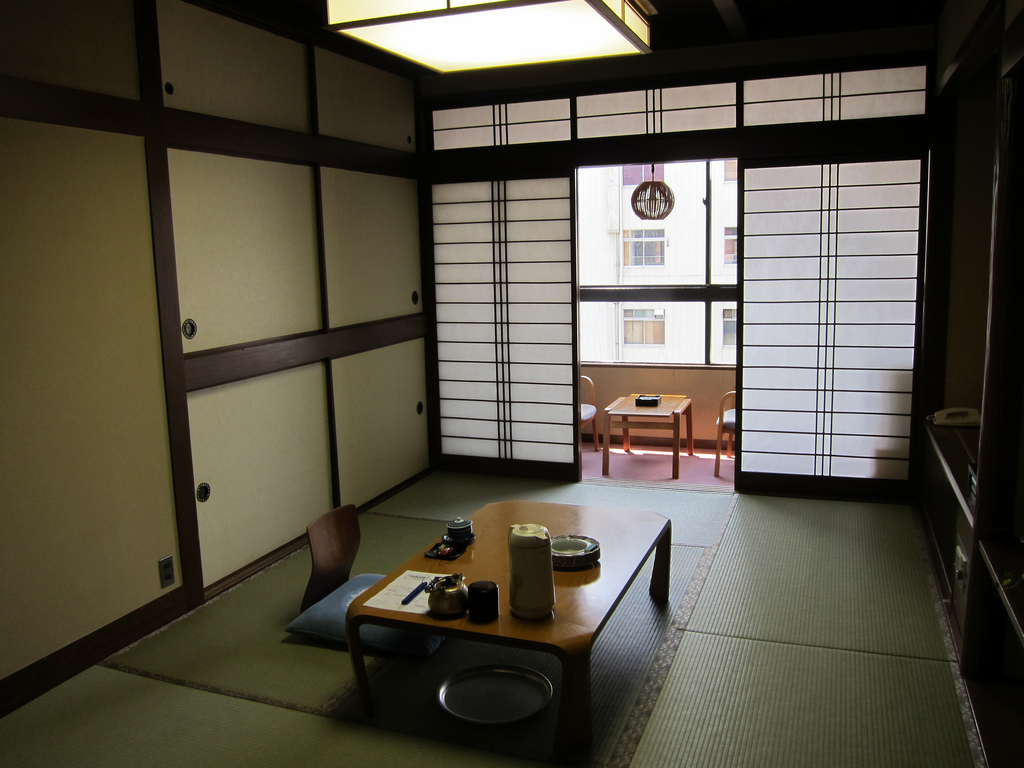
(726, 425)
(588, 408)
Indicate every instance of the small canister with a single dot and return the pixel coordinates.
(460, 531)
(531, 578)
(483, 601)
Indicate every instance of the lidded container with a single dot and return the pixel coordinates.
(531, 580)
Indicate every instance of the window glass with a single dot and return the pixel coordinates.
(661, 274)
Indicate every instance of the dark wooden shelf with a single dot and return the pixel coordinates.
(999, 712)
(958, 448)
(1005, 559)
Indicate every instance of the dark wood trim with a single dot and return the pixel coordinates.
(43, 103)
(55, 668)
(979, 45)
(223, 365)
(1000, 443)
(659, 293)
(1013, 47)
(937, 255)
(801, 142)
(166, 274)
(899, 491)
(208, 133)
(712, 63)
(509, 467)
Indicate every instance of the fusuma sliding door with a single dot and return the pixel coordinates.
(503, 269)
(829, 309)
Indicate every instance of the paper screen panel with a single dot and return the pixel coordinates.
(835, 96)
(830, 278)
(503, 274)
(661, 110)
(502, 124)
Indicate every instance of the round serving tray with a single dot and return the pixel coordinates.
(572, 552)
(494, 694)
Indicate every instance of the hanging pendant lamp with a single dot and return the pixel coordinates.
(653, 200)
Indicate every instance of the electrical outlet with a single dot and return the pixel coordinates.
(166, 565)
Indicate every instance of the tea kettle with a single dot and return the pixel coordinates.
(447, 595)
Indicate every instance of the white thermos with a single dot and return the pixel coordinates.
(531, 581)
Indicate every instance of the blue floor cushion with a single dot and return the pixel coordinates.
(326, 621)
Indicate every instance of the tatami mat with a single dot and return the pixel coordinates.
(734, 703)
(105, 719)
(696, 517)
(831, 574)
(809, 637)
(237, 643)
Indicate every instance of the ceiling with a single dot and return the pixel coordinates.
(687, 23)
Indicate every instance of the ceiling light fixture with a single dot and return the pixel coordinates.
(453, 35)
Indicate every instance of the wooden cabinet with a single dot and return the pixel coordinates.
(947, 496)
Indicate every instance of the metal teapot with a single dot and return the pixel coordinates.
(447, 595)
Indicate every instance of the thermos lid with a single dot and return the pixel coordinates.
(529, 534)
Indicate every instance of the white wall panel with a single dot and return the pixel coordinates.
(219, 66)
(262, 446)
(371, 246)
(361, 103)
(245, 246)
(382, 436)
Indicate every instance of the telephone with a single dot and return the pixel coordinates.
(956, 417)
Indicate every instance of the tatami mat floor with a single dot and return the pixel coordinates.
(808, 635)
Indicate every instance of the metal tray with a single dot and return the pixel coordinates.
(494, 694)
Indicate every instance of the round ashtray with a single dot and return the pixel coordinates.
(572, 551)
(495, 694)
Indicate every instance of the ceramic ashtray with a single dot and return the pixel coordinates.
(573, 551)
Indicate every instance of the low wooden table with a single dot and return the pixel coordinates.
(625, 413)
(584, 599)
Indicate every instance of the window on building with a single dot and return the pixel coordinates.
(730, 245)
(643, 326)
(668, 315)
(643, 248)
(729, 327)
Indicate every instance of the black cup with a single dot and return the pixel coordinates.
(483, 601)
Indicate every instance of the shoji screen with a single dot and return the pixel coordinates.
(503, 273)
(829, 311)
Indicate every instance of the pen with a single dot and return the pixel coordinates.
(412, 595)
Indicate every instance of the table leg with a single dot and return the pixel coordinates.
(625, 433)
(355, 652)
(675, 446)
(607, 442)
(573, 729)
(662, 564)
(689, 429)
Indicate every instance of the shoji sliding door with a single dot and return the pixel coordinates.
(829, 300)
(504, 296)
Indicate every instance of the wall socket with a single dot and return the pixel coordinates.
(166, 565)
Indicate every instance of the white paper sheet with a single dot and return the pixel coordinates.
(391, 597)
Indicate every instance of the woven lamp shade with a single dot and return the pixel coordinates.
(653, 200)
